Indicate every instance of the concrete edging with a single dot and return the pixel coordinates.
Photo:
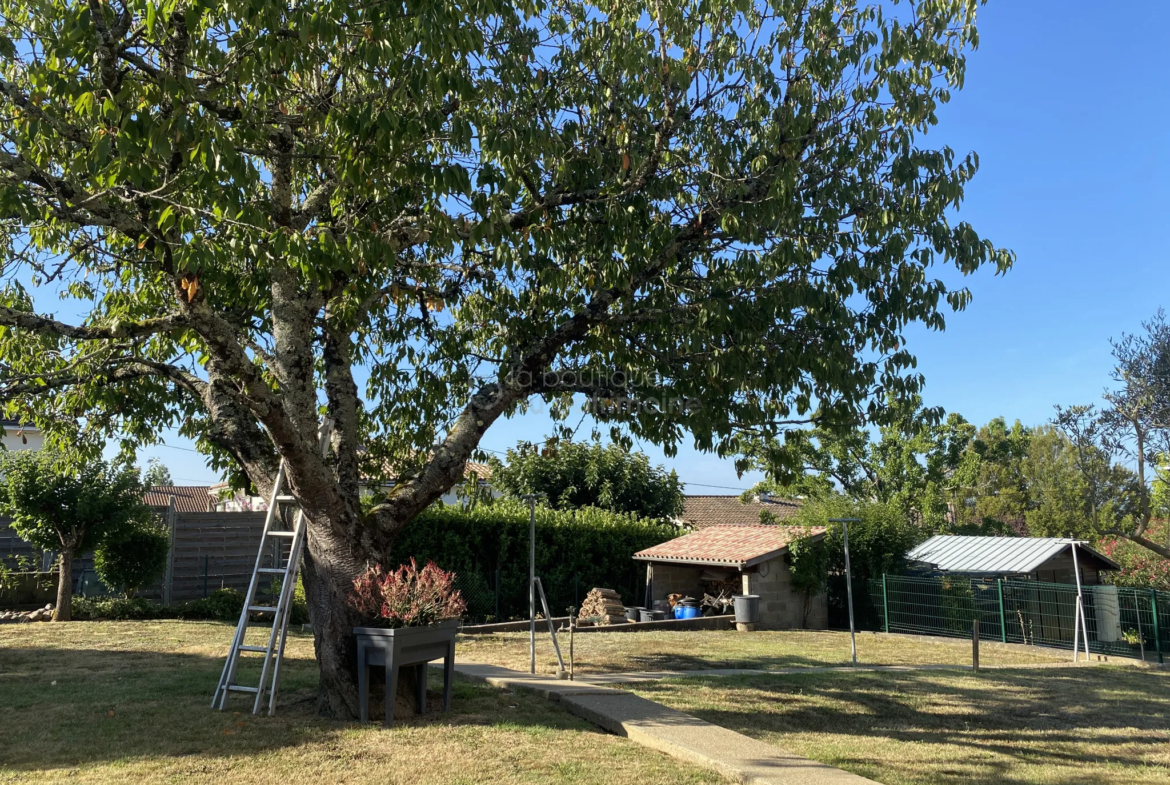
(673, 732)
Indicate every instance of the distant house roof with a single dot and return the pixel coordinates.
(998, 555)
(704, 511)
(734, 546)
(188, 498)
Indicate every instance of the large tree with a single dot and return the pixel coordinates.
(719, 212)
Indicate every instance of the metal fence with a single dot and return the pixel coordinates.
(1120, 621)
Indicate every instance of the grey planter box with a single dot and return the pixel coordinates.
(405, 647)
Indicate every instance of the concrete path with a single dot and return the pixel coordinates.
(677, 734)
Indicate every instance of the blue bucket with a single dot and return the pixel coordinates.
(686, 612)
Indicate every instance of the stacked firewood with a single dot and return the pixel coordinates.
(604, 605)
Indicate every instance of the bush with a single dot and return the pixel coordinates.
(116, 609)
(220, 605)
(575, 551)
(134, 559)
(299, 614)
(408, 596)
(878, 544)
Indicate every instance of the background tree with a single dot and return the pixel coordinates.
(878, 544)
(132, 559)
(250, 206)
(912, 466)
(1135, 425)
(156, 474)
(69, 507)
(573, 475)
(1055, 488)
(989, 485)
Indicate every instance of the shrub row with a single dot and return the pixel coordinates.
(220, 605)
(575, 551)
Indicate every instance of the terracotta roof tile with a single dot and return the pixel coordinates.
(739, 546)
(704, 511)
(188, 498)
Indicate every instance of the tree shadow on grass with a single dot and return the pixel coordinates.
(66, 708)
(673, 661)
(986, 725)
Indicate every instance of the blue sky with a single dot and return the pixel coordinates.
(1068, 106)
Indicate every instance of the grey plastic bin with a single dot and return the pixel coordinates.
(747, 608)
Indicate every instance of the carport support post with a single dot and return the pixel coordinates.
(849, 582)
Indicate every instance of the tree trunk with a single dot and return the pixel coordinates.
(64, 609)
(328, 573)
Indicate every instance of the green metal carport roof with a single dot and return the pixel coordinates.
(998, 555)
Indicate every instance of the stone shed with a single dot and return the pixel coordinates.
(746, 559)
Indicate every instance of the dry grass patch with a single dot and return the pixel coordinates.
(600, 652)
(1068, 726)
(118, 702)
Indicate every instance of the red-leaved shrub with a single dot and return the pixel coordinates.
(408, 596)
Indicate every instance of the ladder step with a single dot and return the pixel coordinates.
(281, 533)
(273, 570)
(262, 608)
(242, 688)
(255, 648)
(286, 499)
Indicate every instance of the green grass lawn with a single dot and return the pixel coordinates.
(1100, 725)
(600, 652)
(128, 702)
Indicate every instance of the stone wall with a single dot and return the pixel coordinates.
(781, 607)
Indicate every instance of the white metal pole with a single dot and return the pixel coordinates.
(532, 584)
(849, 584)
(1084, 630)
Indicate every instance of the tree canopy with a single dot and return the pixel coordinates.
(415, 217)
(572, 475)
(951, 476)
(156, 473)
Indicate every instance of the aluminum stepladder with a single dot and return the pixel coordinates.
(279, 613)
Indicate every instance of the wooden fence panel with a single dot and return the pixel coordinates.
(213, 550)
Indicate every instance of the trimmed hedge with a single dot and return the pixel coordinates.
(575, 551)
(220, 605)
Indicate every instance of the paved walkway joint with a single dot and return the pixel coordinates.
(674, 732)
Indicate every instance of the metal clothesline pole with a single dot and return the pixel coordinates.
(531, 499)
(849, 582)
(1079, 615)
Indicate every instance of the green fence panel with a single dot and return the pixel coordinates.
(1029, 612)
